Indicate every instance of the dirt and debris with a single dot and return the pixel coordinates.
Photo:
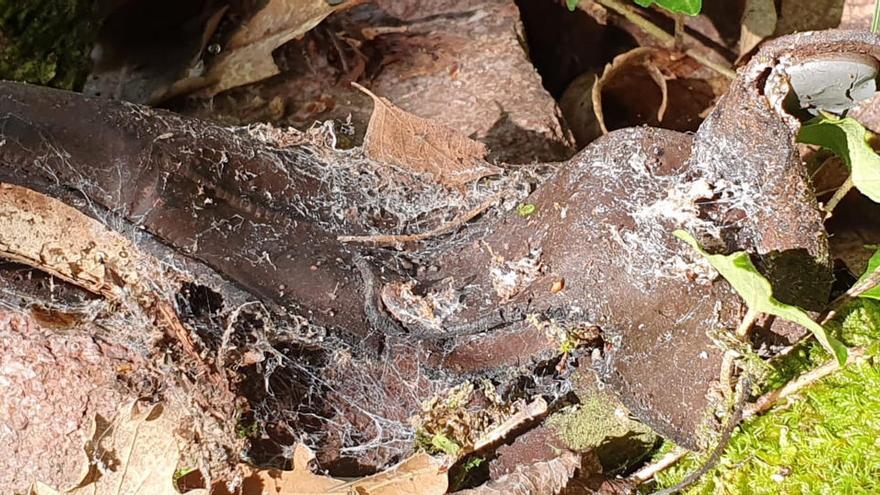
(53, 384)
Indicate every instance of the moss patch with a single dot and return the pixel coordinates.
(46, 42)
(600, 423)
(827, 440)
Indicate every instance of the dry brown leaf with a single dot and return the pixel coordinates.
(420, 473)
(135, 454)
(637, 56)
(423, 146)
(540, 478)
(49, 235)
(142, 67)
(247, 56)
(758, 22)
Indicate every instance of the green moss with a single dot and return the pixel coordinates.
(46, 42)
(601, 424)
(827, 440)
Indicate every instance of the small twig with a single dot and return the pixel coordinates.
(854, 292)
(645, 25)
(458, 221)
(166, 317)
(841, 192)
(532, 410)
(651, 470)
(718, 67)
(663, 37)
(875, 21)
(767, 400)
(736, 416)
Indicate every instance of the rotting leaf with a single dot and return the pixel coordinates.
(419, 473)
(641, 56)
(423, 146)
(758, 22)
(49, 235)
(848, 139)
(149, 66)
(689, 7)
(247, 56)
(138, 454)
(540, 478)
(739, 271)
(873, 264)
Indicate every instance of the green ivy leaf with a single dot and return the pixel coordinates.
(747, 281)
(873, 264)
(572, 4)
(848, 139)
(689, 7)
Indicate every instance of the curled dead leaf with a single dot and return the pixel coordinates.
(247, 56)
(423, 146)
(541, 478)
(158, 60)
(49, 235)
(641, 56)
(136, 454)
(419, 473)
(758, 22)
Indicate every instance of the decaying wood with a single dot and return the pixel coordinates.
(458, 221)
(485, 301)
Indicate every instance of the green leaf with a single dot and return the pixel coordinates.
(525, 209)
(445, 444)
(572, 4)
(689, 7)
(747, 281)
(849, 140)
(873, 264)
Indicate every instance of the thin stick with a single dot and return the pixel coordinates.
(742, 396)
(838, 195)
(458, 221)
(767, 400)
(645, 25)
(532, 410)
(663, 37)
(651, 470)
(875, 21)
(855, 291)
